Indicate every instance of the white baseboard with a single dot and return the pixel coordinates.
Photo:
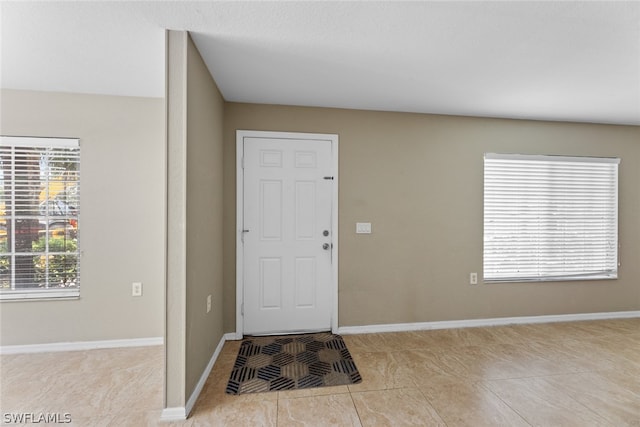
(474, 323)
(80, 345)
(173, 414)
(181, 413)
(232, 336)
(203, 378)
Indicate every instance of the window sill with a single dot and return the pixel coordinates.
(39, 295)
(551, 279)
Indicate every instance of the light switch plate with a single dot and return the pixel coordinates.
(363, 228)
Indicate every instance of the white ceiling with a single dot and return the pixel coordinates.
(574, 61)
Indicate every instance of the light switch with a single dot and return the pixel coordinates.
(363, 228)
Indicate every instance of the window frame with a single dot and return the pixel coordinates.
(552, 205)
(39, 294)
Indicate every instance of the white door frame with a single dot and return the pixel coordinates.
(240, 135)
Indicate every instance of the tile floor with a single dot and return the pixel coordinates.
(561, 374)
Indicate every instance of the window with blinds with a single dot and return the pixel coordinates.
(550, 218)
(39, 201)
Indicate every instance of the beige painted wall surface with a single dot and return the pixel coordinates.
(418, 180)
(205, 109)
(121, 216)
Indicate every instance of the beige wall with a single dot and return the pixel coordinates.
(121, 216)
(418, 180)
(194, 218)
(204, 215)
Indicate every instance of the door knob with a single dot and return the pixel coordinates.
(325, 246)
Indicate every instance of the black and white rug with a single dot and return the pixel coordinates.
(292, 362)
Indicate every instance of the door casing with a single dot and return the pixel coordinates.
(240, 136)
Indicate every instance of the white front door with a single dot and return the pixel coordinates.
(287, 234)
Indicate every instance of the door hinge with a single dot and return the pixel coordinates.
(242, 162)
(328, 177)
(242, 309)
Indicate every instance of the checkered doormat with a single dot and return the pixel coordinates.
(292, 362)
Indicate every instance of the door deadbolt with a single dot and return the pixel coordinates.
(325, 233)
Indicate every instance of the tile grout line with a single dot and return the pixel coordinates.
(431, 404)
(356, 408)
(479, 383)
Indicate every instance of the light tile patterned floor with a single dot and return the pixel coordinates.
(562, 374)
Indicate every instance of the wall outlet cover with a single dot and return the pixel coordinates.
(136, 289)
(363, 228)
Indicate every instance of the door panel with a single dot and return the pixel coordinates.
(270, 277)
(271, 210)
(305, 282)
(305, 210)
(287, 208)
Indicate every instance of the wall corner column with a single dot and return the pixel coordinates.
(176, 193)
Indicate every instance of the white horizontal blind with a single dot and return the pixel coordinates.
(550, 218)
(39, 208)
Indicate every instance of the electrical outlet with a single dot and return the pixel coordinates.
(136, 289)
(473, 278)
(208, 303)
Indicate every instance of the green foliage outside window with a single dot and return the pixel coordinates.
(63, 269)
